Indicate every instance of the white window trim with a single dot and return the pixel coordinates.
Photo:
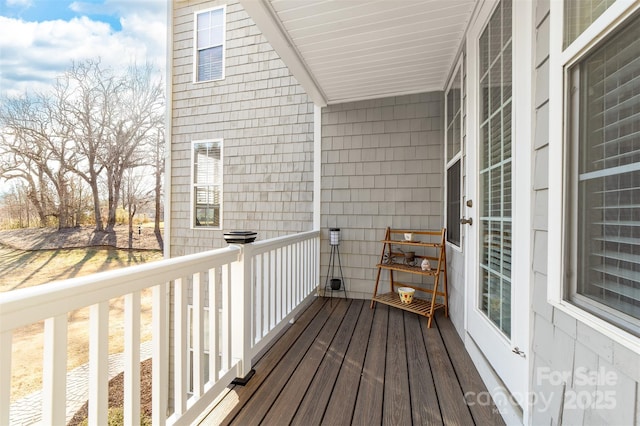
(559, 60)
(459, 156)
(195, 43)
(193, 192)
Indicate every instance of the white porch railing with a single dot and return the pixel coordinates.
(255, 288)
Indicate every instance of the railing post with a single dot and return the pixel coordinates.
(242, 313)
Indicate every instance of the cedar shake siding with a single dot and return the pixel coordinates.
(265, 120)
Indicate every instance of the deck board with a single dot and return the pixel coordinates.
(342, 363)
(256, 408)
(368, 410)
(424, 404)
(453, 408)
(279, 412)
(343, 399)
(468, 376)
(238, 396)
(312, 407)
(397, 401)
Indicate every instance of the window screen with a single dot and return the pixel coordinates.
(210, 45)
(453, 203)
(605, 115)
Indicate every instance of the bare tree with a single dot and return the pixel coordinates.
(137, 193)
(87, 95)
(132, 127)
(158, 166)
(94, 126)
(15, 207)
(81, 200)
(35, 150)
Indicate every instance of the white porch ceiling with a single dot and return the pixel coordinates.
(345, 50)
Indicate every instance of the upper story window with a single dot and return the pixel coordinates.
(207, 184)
(209, 44)
(602, 174)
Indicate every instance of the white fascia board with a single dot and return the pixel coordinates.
(266, 20)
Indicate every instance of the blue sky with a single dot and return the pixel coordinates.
(47, 10)
(40, 38)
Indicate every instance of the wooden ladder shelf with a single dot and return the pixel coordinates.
(432, 244)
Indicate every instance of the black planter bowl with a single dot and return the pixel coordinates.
(336, 283)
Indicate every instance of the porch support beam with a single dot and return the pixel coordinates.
(265, 18)
(317, 164)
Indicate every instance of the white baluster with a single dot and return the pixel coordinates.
(6, 340)
(160, 368)
(198, 336)
(132, 358)
(180, 346)
(214, 343)
(54, 371)
(99, 363)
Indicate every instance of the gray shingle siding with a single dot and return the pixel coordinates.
(266, 122)
(560, 343)
(381, 166)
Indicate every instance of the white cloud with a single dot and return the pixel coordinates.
(34, 53)
(18, 3)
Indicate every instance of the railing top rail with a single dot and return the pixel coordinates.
(260, 247)
(33, 304)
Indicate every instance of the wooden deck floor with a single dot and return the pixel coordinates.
(343, 363)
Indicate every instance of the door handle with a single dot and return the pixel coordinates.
(466, 221)
(518, 352)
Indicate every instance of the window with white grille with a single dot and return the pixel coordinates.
(207, 183)
(603, 226)
(495, 195)
(209, 44)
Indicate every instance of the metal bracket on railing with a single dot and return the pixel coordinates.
(242, 381)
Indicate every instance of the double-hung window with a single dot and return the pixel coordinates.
(602, 166)
(209, 44)
(207, 184)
